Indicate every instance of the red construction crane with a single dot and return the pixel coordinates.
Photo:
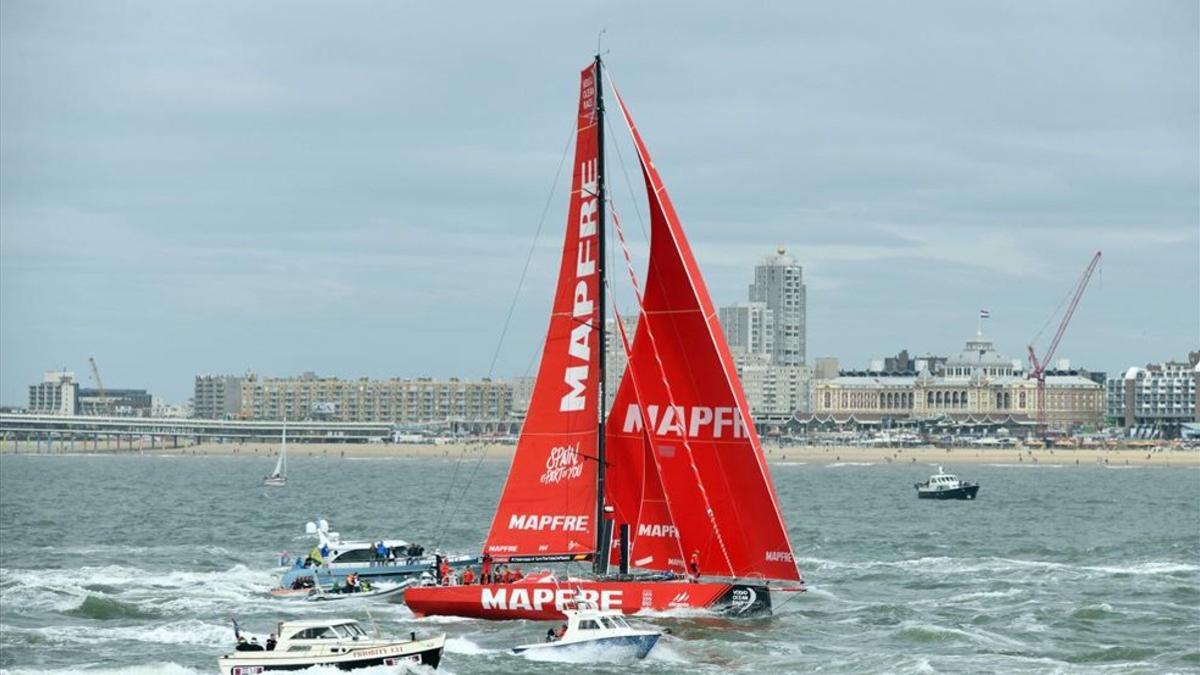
(1037, 367)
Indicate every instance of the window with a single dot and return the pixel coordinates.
(318, 633)
(358, 555)
(588, 624)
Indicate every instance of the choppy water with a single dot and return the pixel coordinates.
(137, 563)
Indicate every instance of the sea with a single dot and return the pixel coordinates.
(138, 564)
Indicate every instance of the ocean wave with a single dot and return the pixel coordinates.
(190, 632)
(116, 591)
(105, 609)
(944, 565)
(840, 464)
(153, 668)
(460, 645)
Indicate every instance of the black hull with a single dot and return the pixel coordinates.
(744, 600)
(967, 492)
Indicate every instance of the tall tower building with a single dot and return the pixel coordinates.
(749, 327)
(779, 284)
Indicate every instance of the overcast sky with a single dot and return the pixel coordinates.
(352, 188)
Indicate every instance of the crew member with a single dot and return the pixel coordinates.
(271, 642)
(444, 572)
(694, 566)
(485, 576)
(468, 577)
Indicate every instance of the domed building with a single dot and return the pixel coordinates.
(977, 388)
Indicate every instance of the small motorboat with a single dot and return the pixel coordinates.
(942, 485)
(340, 643)
(589, 628)
(366, 592)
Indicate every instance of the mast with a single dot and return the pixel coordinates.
(603, 534)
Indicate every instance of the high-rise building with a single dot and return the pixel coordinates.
(217, 396)
(1156, 400)
(749, 327)
(56, 394)
(779, 284)
(403, 401)
(615, 359)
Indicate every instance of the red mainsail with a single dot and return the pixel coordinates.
(687, 416)
(548, 508)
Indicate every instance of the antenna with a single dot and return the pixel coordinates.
(599, 37)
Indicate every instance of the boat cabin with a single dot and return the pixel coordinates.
(305, 635)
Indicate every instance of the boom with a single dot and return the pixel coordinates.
(1037, 367)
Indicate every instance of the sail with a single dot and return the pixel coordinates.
(635, 492)
(690, 407)
(547, 510)
(281, 463)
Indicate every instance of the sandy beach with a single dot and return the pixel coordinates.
(826, 455)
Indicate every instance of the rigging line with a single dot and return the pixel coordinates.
(447, 515)
(532, 247)
(1052, 316)
(624, 168)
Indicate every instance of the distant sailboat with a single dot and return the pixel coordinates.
(278, 477)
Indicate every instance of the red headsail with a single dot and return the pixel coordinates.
(547, 510)
(689, 417)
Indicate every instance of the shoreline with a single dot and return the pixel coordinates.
(822, 455)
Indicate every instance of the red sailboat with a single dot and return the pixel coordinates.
(674, 481)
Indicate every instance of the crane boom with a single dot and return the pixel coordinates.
(1062, 327)
(103, 400)
(1037, 367)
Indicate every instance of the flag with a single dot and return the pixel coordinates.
(984, 314)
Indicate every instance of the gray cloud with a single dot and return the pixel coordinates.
(190, 188)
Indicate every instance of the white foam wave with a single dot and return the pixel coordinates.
(459, 645)
(840, 464)
(188, 591)
(943, 565)
(189, 632)
(154, 668)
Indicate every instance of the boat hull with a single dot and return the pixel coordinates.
(544, 601)
(964, 492)
(326, 576)
(637, 646)
(422, 652)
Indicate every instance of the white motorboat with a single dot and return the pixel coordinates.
(605, 631)
(334, 559)
(370, 592)
(278, 477)
(340, 643)
(944, 485)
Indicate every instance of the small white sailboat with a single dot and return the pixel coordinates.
(278, 477)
